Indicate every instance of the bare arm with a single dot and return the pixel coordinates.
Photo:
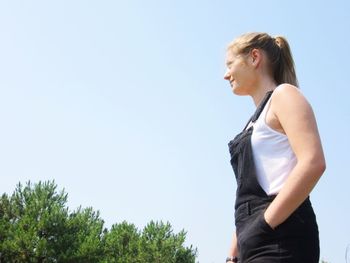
(233, 249)
(297, 120)
(233, 252)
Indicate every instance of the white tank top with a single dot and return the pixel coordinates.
(273, 156)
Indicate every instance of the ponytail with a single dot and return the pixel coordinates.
(277, 50)
(284, 71)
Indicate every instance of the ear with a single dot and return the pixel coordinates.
(255, 57)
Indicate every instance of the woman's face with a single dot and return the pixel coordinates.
(239, 73)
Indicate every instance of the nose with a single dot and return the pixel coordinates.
(227, 75)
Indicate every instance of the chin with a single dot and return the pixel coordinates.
(238, 91)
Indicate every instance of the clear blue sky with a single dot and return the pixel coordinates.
(123, 103)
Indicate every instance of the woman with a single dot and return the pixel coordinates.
(277, 158)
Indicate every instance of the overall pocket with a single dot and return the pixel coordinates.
(255, 236)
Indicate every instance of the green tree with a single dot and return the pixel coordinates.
(37, 227)
(5, 224)
(160, 244)
(84, 233)
(122, 244)
(35, 218)
(156, 243)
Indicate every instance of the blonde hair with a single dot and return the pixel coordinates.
(277, 50)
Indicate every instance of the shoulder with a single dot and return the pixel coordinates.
(285, 90)
(288, 97)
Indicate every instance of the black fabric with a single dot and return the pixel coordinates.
(295, 240)
(242, 162)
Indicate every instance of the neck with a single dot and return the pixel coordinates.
(261, 89)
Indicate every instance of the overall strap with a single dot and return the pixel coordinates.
(259, 109)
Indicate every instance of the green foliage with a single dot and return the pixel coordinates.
(122, 244)
(161, 245)
(84, 231)
(155, 244)
(36, 226)
(35, 218)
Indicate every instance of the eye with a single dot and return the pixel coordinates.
(229, 64)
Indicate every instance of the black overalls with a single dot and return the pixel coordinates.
(295, 240)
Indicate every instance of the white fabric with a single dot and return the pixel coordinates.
(273, 156)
